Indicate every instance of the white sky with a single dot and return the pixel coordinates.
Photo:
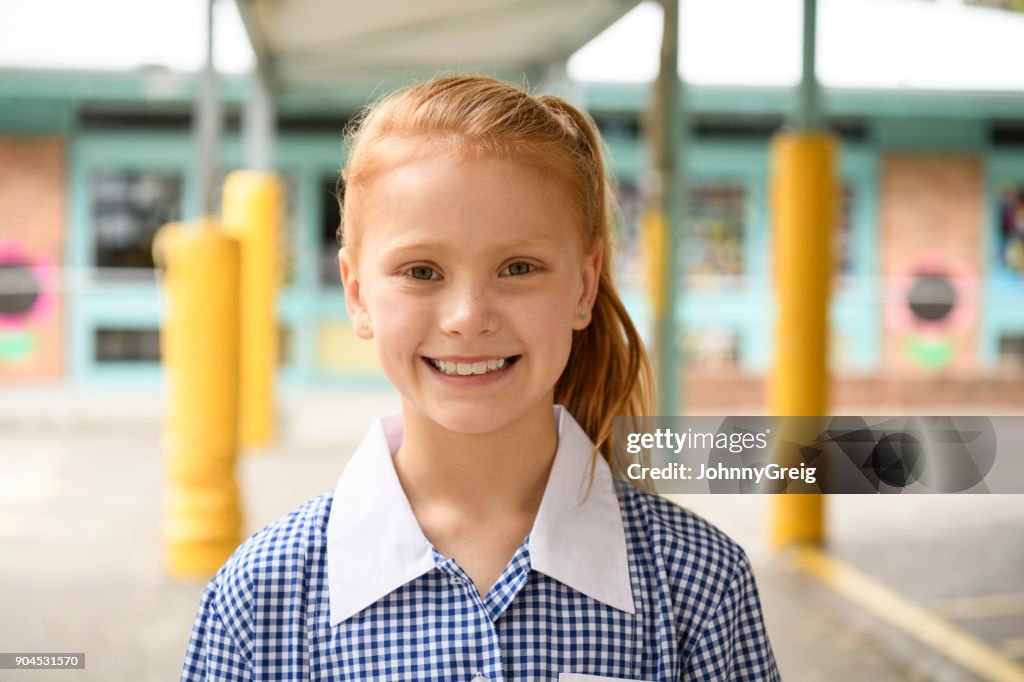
(928, 44)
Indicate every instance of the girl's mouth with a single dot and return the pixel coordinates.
(465, 369)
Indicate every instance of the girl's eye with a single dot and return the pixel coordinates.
(422, 272)
(518, 268)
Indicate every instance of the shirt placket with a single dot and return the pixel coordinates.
(490, 666)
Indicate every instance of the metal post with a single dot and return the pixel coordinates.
(207, 124)
(808, 115)
(663, 223)
(252, 210)
(259, 125)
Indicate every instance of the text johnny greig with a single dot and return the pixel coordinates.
(672, 441)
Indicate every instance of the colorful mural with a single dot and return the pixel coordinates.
(713, 240)
(933, 307)
(26, 298)
(932, 257)
(33, 215)
(1011, 215)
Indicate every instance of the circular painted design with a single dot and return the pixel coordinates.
(932, 307)
(26, 287)
(931, 297)
(19, 289)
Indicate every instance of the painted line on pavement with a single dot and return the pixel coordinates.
(1013, 647)
(921, 624)
(981, 606)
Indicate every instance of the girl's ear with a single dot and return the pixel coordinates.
(591, 275)
(357, 311)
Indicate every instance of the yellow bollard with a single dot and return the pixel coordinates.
(202, 519)
(252, 211)
(804, 195)
(655, 241)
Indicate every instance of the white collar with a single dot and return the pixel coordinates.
(375, 545)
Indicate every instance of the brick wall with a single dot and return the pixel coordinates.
(931, 213)
(33, 210)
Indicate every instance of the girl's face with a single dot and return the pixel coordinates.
(471, 277)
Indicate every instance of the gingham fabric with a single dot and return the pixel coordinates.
(691, 611)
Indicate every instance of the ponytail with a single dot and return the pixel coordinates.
(608, 373)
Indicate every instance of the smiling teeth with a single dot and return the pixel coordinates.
(467, 368)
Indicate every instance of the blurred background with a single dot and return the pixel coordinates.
(99, 138)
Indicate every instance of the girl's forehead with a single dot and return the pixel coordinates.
(397, 150)
(464, 206)
(436, 182)
(445, 183)
(380, 154)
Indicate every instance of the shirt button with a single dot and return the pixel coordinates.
(459, 581)
(479, 678)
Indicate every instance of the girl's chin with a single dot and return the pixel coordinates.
(475, 420)
(477, 417)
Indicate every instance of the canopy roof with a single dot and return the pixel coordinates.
(320, 43)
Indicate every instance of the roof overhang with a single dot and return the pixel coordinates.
(316, 44)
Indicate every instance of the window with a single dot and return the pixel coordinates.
(284, 345)
(287, 241)
(128, 207)
(143, 345)
(127, 345)
(710, 349)
(1011, 229)
(1011, 352)
(843, 243)
(330, 217)
(628, 260)
(713, 239)
(621, 126)
(712, 245)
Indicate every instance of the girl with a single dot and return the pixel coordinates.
(486, 532)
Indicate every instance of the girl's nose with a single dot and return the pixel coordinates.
(469, 312)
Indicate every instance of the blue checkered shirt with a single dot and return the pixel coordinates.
(621, 586)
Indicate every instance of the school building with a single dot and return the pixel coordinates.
(928, 297)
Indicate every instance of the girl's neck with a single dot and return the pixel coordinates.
(486, 477)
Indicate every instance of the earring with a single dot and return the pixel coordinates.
(583, 314)
(365, 326)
